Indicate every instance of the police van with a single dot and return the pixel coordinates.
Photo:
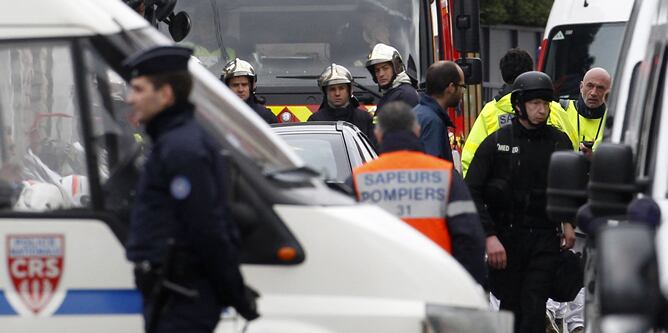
(580, 35)
(70, 154)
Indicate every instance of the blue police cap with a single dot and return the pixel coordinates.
(158, 60)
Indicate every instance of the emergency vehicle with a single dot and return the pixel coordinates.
(628, 186)
(580, 35)
(290, 43)
(321, 262)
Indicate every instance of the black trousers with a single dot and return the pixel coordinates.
(179, 313)
(524, 285)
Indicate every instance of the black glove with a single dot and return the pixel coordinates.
(248, 309)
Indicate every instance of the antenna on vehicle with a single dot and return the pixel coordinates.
(586, 4)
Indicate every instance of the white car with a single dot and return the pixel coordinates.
(321, 262)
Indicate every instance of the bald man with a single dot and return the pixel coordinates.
(587, 113)
(587, 117)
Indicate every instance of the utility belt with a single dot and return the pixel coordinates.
(176, 275)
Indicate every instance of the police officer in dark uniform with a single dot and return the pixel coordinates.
(508, 178)
(240, 76)
(338, 102)
(183, 246)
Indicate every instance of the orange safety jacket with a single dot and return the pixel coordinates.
(411, 185)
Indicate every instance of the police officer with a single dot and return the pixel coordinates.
(436, 201)
(508, 179)
(338, 102)
(445, 87)
(499, 111)
(587, 113)
(178, 229)
(388, 71)
(240, 76)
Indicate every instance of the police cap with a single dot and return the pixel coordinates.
(158, 60)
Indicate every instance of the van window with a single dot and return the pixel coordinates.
(41, 147)
(574, 49)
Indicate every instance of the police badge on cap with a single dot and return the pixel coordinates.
(158, 60)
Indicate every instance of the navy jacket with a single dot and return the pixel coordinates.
(434, 123)
(180, 196)
(404, 92)
(352, 114)
(261, 110)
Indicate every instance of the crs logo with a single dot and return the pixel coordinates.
(35, 266)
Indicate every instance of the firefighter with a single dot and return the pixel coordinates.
(445, 87)
(388, 71)
(240, 76)
(338, 102)
(435, 202)
(499, 111)
(587, 113)
(508, 178)
(178, 227)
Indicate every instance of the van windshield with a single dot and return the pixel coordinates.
(574, 49)
(285, 39)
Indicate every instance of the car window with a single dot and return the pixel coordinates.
(324, 153)
(41, 145)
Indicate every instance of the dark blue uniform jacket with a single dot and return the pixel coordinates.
(261, 110)
(434, 123)
(180, 195)
(404, 92)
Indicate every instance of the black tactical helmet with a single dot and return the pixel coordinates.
(531, 85)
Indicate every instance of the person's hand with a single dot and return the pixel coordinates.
(496, 253)
(586, 151)
(568, 236)
(249, 308)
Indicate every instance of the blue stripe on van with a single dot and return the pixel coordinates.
(91, 302)
(106, 301)
(5, 308)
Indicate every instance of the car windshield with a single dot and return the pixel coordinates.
(298, 38)
(323, 152)
(574, 49)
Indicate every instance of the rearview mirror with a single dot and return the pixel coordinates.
(612, 185)
(179, 26)
(566, 185)
(472, 68)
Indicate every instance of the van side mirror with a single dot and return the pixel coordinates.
(179, 26)
(627, 270)
(566, 185)
(472, 68)
(612, 184)
(466, 25)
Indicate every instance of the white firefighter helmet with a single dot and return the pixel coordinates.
(334, 74)
(38, 196)
(238, 67)
(77, 188)
(384, 53)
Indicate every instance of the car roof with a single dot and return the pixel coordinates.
(315, 126)
(63, 18)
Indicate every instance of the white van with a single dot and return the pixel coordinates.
(630, 290)
(70, 153)
(579, 35)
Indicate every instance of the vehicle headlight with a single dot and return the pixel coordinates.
(446, 319)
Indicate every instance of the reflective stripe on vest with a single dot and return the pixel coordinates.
(411, 185)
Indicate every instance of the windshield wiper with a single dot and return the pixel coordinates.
(315, 77)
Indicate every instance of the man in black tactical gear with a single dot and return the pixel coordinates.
(240, 76)
(508, 178)
(338, 102)
(184, 248)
